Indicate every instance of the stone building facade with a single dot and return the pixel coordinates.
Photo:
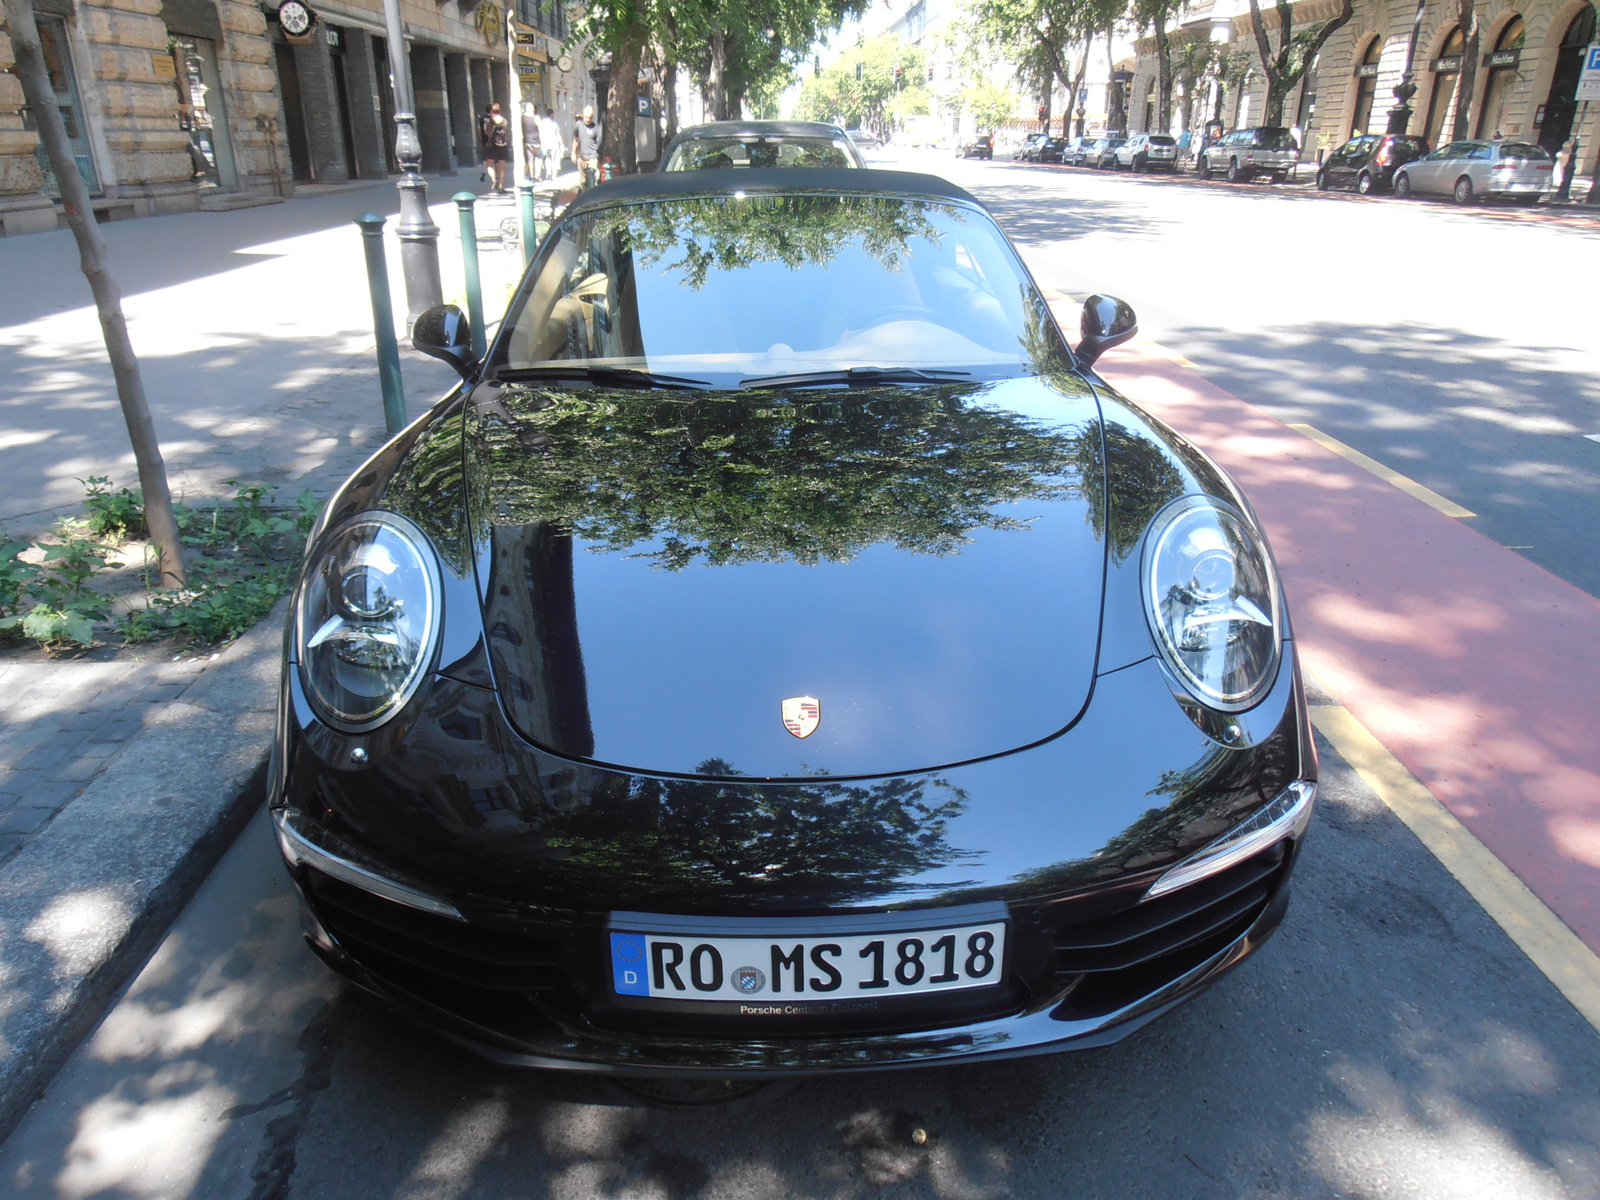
(1529, 54)
(176, 105)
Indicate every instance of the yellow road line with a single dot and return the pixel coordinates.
(1558, 952)
(1409, 486)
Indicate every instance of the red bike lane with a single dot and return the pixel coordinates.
(1477, 669)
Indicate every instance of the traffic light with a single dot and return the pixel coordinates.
(858, 72)
(930, 74)
(897, 72)
(1044, 112)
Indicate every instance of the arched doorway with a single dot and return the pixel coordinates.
(1560, 107)
(1503, 62)
(1306, 110)
(1366, 87)
(1446, 77)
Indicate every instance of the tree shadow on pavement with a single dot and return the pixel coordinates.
(1036, 215)
(1389, 1041)
(1498, 428)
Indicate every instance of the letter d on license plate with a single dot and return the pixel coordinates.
(819, 967)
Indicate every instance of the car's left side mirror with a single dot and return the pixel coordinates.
(444, 332)
(1107, 322)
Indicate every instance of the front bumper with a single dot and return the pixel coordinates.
(498, 992)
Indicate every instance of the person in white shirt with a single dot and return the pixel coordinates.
(550, 144)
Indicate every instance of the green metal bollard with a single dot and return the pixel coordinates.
(394, 395)
(530, 227)
(469, 260)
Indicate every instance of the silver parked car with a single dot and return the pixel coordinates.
(1148, 152)
(1245, 153)
(1466, 171)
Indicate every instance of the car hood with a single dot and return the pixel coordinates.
(661, 571)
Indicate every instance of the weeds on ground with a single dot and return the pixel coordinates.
(241, 557)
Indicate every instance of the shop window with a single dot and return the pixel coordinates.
(64, 82)
(1503, 62)
(1560, 105)
(1366, 87)
(1446, 77)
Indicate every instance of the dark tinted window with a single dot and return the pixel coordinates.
(1159, 139)
(1524, 150)
(1409, 146)
(1274, 139)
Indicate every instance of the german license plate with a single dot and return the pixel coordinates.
(665, 966)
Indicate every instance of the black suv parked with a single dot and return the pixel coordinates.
(1368, 163)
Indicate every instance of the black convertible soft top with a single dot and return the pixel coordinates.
(836, 180)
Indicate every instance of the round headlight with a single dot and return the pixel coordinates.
(1211, 596)
(367, 620)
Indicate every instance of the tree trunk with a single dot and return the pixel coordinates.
(1468, 79)
(717, 79)
(1164, 65)
(1077, 86)
(669, 79)
(622, 102)
(92, 258)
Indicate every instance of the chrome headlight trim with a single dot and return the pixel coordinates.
(310, 630)
(1286, 816)
(294, 840)
(1213, 597)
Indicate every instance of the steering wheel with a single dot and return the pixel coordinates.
(896, 312)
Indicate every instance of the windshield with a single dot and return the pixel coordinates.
(724, 288)
(712, 153)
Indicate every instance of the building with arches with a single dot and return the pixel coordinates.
(1514, 76)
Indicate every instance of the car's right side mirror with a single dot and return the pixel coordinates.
(1107, 322)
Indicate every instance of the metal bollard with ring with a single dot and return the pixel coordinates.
(530, 228)
(469, 262)
(394, 396)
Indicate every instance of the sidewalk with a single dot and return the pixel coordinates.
(122, 781)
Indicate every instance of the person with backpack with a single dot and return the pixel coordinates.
(495, 133)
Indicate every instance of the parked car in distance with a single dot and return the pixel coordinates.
(861, 137)
(1052, 150)
(1467, 171)
(1103, 153)
(723, 144)
(1076, 153)
(1368, 163)
(981, 146)
(1245, 153)
(1029, 150)
(1148, 152)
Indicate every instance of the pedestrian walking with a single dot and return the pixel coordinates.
(532, 159)
(494, 131)
(550, 143)
(586, 136)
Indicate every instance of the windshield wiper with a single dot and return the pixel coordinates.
(855, 377)
(618, 377)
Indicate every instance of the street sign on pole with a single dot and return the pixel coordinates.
(1589, 81)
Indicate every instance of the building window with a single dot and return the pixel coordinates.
(1446, 75)
(64, 82)
(1366, 87)
(1503, 62)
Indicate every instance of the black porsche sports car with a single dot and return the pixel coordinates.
(782, 652)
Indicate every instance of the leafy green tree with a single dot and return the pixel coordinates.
(1285, 66)
(1040, 35)
(859, 88)
(991, 104)
(1155, 15)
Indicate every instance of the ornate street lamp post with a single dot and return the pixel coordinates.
(419, 236)
(1400, 114)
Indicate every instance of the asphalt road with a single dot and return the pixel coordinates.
(1390, 1041)
(1460, 347)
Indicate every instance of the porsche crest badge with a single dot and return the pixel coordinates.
(802, 715)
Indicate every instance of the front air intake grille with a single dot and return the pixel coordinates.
(1115, 959)
(390, 939)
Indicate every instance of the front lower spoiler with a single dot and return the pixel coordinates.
(1031, 1032)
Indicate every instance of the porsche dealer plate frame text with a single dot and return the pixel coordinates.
(849, 962)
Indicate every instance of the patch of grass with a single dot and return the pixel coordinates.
(118, 514)
(241, 556)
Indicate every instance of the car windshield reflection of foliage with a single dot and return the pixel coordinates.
(820, 842)
(740, 478)
(732, 233)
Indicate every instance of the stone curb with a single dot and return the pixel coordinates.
(84, 903)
